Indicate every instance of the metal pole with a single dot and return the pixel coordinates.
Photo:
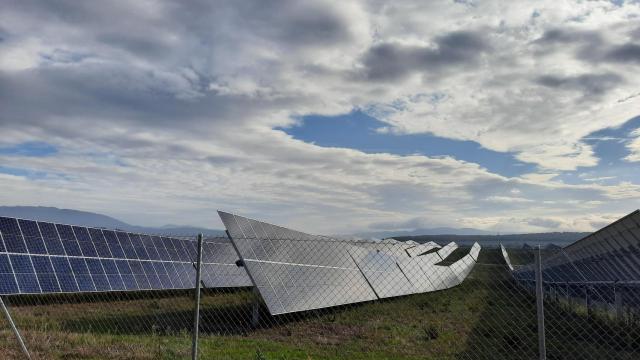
(15, 329)
(542, 351)
(196, 315)
(618, 303)
(255, 314)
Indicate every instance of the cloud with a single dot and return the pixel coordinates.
(161, 112)
(634, 147)
(627, 53)
(588, 84)
(391, 61)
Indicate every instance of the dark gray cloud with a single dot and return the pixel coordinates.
(569, 36)
(389, 61)
(587, 84)
(590, 45)
(295, 23)
(627, 53)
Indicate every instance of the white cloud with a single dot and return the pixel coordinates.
(163, 111)
(634, 147)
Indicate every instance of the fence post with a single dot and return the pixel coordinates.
(15, 329)
(542, 352)
(255, 313)
(196, 315)
(618, 293)
(587, 299)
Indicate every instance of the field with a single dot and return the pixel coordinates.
(487, 317)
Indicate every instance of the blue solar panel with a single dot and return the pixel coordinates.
(8, 284)
(45, 274)
(14, 243)
(69, 242)
(41, 257)
(100, 243)
(138, 247)
(51, 238)
(9, 226)
(32, 238)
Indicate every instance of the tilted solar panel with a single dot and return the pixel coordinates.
(382, 272)
(294, 271)
(609, 255)
(422, 249)
(41, 257)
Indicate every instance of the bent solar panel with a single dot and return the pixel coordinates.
(294, 271)
(42, 257)
(422, 249)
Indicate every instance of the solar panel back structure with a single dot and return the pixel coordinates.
(294, 271)
(611, 254)
(41, 257)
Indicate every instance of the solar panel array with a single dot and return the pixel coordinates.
(41, 257)
(611, 254)
(294, 271)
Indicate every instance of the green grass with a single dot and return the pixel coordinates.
(487, 317)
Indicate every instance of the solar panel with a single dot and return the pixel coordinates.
(444, 277)
(610, 254)
(396, 248)
(422, 249)
(383, 272)
(294, 271)
(505, 255)
(40, 257)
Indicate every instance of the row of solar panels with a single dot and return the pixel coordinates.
(42, 257)
(294, 271)
(611, 254)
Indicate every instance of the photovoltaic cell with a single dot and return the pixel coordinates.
(43, 257)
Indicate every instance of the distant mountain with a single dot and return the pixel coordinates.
(84, 218)
(417, 232)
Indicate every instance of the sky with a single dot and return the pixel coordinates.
(325, 116)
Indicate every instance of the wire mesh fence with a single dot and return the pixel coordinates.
(289, 295)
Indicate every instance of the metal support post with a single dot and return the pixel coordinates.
(196, 315)
(255, 313)
(15, 329)
(587, 300)
(618, 294)
(540, 307)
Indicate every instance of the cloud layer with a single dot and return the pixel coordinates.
(161, 112)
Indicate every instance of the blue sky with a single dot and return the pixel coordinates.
(500, 116)
(358, 130)
(35, 148)
(610, 146)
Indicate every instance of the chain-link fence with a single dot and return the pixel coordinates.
(271, 293)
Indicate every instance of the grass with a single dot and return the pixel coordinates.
(487, 317)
